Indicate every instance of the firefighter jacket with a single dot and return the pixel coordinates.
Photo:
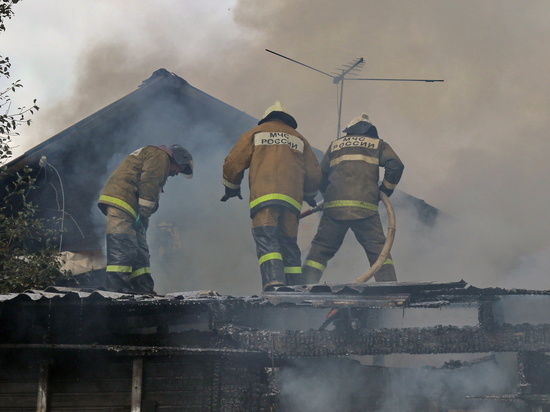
(283, 167)
(136, 184)
(350, 170)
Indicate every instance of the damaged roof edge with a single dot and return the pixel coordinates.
(418, 291)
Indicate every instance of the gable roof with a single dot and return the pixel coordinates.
(164, 109)
(162, 85)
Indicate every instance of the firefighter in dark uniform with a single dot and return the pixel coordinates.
(128, 199)
(283, 172)
(350, 187)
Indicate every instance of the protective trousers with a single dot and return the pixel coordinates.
(329, 238)
(275, 231)
(128, 268)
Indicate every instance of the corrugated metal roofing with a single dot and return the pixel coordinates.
(54, 292)
(416, 292)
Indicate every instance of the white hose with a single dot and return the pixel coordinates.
(389, 241)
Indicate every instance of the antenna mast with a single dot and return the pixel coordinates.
(348, 69)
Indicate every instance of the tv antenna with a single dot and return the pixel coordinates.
(348, 69)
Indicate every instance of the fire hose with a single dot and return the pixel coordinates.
(312, 210)
(390, 236)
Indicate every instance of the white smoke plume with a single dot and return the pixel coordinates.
(327, 385)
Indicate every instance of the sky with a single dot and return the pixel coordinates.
(475, 146)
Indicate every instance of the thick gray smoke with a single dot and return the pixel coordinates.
(218, 252)
(474, 146)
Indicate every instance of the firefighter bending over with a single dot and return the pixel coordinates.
(128, 199)
(283, 172)
(350, 189)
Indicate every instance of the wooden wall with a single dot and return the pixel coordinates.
(91, 381)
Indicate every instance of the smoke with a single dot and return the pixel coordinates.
(474, 146)
(326, 385)
(411, 389)
(217, 250)
(344, 385)
(189, 233)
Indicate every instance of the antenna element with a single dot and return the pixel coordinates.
(338, 80)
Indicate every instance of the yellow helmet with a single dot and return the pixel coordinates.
(277, 111)
(276, 107)
(363, 118)
(361, 125)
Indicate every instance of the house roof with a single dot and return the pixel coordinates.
(164, 109)
(161, 84)
(282, 324)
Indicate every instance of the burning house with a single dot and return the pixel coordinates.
(65, 349)
(72, 167)
(209, 341)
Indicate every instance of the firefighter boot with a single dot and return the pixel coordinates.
(292, 260)
(273, 274)
(143, 284)
(386, 273)
(295, 279)
(118, 282)
(311, 275)
(121, 254)
(269, 255)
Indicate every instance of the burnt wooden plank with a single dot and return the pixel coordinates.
(91, 409)
(7, 408)
(198, 399)
(16, 386)
(441, 339)
(89, 368)
(137, 378)
(19, 409)
(186, 366)
(19, 400)
(372, 288)
(74, 385)
(391, 287)
(11, 366)
(102, 400)
(184, 384)
(336, 300)
(175, 384)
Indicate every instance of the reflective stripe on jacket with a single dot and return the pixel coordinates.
(350, 170)
(283, 167)
(136, 184)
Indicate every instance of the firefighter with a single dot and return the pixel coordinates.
(350, 187)
(128, 199)
(283, 173)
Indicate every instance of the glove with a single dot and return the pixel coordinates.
(385, 190)
(310, 201)
(140, 224)
(144, 224)
(229, 193)
(137, 223)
